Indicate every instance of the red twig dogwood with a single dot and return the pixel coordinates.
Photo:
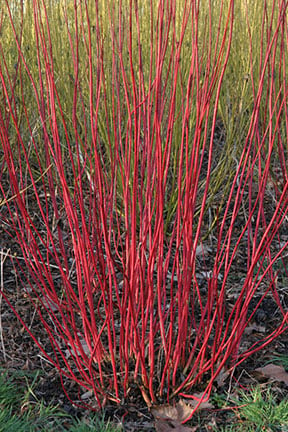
(111, 217)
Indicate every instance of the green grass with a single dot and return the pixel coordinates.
(19, 414)
(263, 411)
(258, 410)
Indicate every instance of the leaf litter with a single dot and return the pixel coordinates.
(275, 372)
(169, 418)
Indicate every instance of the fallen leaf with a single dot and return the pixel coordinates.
(179, 412)
(50, 304)
(221, 377)
(169, 418)
(276, 372)
(88, 394)
(84, 347)
(194, 402)
(254, 328)
(172, 426)
(202, 250)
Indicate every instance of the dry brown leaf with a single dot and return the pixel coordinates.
(202, 250)
(179, 412)
(169, 418)
(164, 412)
(276, 372)
(50, 304)
(172, 426)
(87, 395)
(221, 377)
(255, 328)
(194, 402)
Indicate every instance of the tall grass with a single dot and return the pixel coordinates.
(119, 181)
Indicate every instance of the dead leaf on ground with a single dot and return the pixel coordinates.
(87, 395)
(276, 372)
(50, 304)
(169, 418)
(172, 426)
(221, 377)
(255, 328)
(179, 412)
(194, 402)
(202, 250)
